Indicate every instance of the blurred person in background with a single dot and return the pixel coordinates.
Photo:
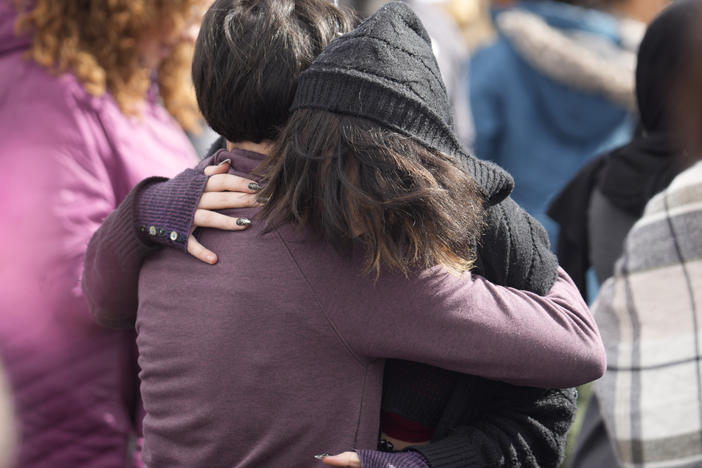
(83, 90)
(8, 435)
(648, 313)
(602, 202)
(553, 90)
(599, 207)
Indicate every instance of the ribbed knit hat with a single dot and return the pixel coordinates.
(385, 71)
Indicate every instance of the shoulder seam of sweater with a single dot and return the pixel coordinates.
(341, 339)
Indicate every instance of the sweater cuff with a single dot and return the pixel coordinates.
(454, 450)
(377, 459)
(122, 236)
(165, 208)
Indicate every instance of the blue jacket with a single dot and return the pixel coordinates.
(530, 117)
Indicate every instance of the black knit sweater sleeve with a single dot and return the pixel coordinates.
(516, 427)
(514, 250)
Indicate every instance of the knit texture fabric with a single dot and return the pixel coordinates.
(509, 427)
(385, 71)
(514, 249)
(376, 459)
(165, 211)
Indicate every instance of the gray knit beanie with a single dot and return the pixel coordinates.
(385, 71)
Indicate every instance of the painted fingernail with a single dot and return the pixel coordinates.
(226, 161)
(243, 222)
(255, 186)
(322, 455)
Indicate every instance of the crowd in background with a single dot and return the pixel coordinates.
(593, 107)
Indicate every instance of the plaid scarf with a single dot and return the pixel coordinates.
(649, 318)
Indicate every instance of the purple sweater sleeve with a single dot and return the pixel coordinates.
(156, 212)
(377, 459)
(467, 324)
(164, 212)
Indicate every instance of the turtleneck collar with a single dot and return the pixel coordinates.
(242, 160)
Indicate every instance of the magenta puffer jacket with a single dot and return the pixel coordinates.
(68, 159)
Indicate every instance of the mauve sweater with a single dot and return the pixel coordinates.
(302, 336)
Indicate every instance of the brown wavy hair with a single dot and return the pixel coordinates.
(355, 182)
(99, 43)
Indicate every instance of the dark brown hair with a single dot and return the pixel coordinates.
(249, 55)
(356, 182)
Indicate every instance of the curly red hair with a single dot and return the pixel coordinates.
(99, 42)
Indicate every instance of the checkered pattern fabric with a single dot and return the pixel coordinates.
(648, 314)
